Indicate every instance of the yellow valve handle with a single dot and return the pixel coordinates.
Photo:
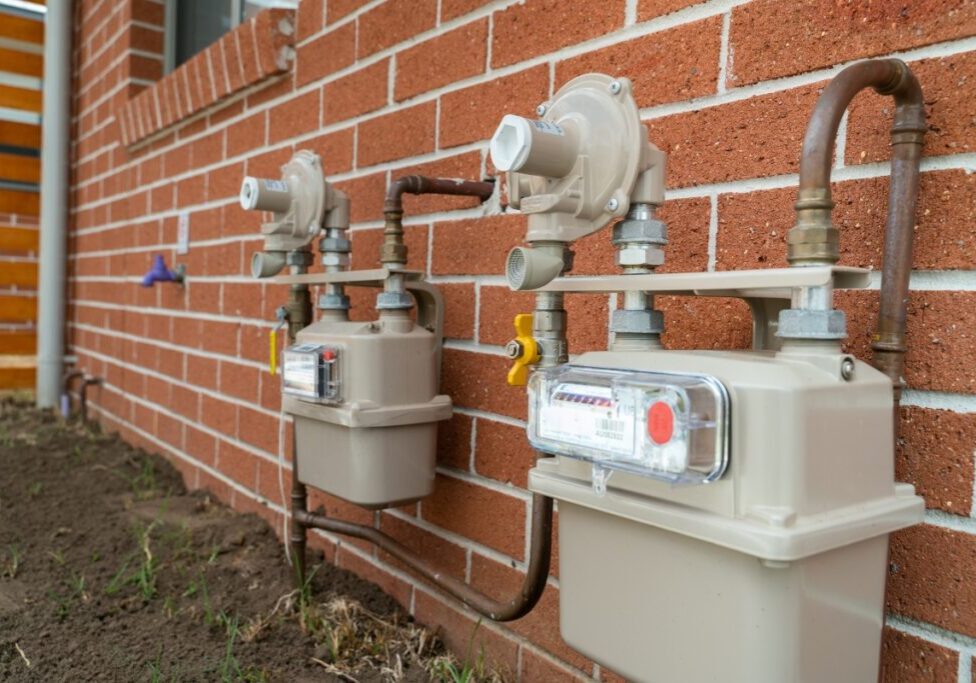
(524, 350)
(273, 358)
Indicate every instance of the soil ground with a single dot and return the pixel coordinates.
(111, 571)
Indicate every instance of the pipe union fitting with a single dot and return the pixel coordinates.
(330, 258)
(393, 253)
(649, 231)
(647, 321)
(640, 255)
(795, 323)
(334, 302)
(393, 301)
(813, 244)
(339, 244)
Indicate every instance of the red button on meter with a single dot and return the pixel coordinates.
(660, 422)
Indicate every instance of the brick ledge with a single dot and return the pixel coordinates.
(259, 48)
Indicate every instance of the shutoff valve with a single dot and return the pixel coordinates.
(302, 202)
(524, 350)
(572, 171)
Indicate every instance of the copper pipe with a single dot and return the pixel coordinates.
(393, 250)
(299, 316)
(814, 239)
(88, 381)
(508, 609)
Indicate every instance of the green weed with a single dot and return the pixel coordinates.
(12, 565)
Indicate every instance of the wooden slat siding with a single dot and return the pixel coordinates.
(21, 28)
(18, 343)
(20, 98)
(20, 168)
(21, 63)
(20, 134)
(18, 240)
(17, 378)
(20, 273)
(18, 308)
(23, 203)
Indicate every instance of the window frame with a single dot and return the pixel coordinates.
(169, 28)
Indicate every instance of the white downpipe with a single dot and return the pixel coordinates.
(54, 198)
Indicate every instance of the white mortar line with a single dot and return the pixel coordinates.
(840, 142)
(937, 400)
(776, 85)
(945, 520)
(723, 53)
(485, 415)
(712, 231)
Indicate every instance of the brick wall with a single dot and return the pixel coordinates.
(381, 88)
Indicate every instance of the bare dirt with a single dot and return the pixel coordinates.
(111, 571)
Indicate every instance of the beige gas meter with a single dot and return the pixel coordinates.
(363, 395)
(723, 515)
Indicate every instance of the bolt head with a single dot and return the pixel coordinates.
(847, 369)
(615, 87)
(541, 110)
(613, 204)
(514, 349)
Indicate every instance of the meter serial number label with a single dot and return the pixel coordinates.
(586, 416)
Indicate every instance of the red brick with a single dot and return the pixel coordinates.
(503, 453)
(358, 93)
(907, 659)
(475, 246)
(705, 323)
(450, 57)
(405, 133)
(366, 247)
(274, 35)
(753, 226)
(393, 22)
(936, 455)
(326, 54)
(940, 336)
(452, 9)
(239, 381)
(473, 113)
(751, 138)
(247, 134)
(771, 39)
(309, 18)
(367, 192)
(454, 442)
(458, 310)
(536, 667)
(465, 632)
(219, 415)
(485, 516)
(449, 557)
(392, 585)
(929, 577)
(686, 251)
(258, 429)
(587, 316)
(649, 9)
(336, 9)
(950, 109)
(477, 380)
(541, 625)
(237, 464)
(668, 66)
(294, 117)
(335, 149)
(200, 445)
(535, 27)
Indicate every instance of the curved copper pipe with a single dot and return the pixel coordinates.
(814, 239)
(508, 609)
(393, 250)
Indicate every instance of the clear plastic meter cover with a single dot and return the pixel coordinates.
(666, 426)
